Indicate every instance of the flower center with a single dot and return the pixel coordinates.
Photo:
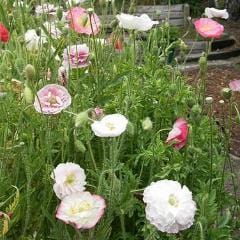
(84, 206)
(173, 201)
(84, 21)
(70, 179)
(207, 28)
(110, 126)
(52, 100)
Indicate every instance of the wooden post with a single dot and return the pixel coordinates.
(186, 14)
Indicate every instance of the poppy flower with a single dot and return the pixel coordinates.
(4, 33)
(209, 28)
(83, 22)
(178, 135)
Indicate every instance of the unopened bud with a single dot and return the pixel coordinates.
(202, 62)
(226, 93)
(81, 119)
(90, 11)
(30, 72)
(59, 13)
(27, 95)
(221, 101)
(147, 124)
(209, 100)
(79, 146)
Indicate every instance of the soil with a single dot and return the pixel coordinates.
(217, 79)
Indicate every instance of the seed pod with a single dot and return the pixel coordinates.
(30, 72)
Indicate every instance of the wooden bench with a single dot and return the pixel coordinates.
(176, 15)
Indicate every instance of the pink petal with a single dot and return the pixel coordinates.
(235, 85)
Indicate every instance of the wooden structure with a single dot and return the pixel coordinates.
(176, 15)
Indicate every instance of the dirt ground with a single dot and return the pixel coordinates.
(217, 79)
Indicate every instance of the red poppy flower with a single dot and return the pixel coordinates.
(4, 33)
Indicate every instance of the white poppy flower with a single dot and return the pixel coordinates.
(213, 12)
(46, 8)
(33, 40)
(82, 210)
(110, 126)
(142, 23)
(169, 206)
(69, 178)
(52, 29)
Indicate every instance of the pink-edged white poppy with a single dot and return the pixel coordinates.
(81, 22)
(235, 85)
(52, 99)
(178, 135)
(82, 210)
(76, 56)
(209, 28)
(69, 178)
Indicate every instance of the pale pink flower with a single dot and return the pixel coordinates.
(209, 28)
(178, 135)
(46, 8)
(235, 85)
(81, 22)
(82, 210)
(52, 99)
(76, 56)
(69, 178)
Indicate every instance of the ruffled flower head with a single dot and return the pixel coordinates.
(52, 99)
(81, 22)
(209, 28)
(69, 178)
(110, 126)
(169, 206)
(82, 210)
(76, 56)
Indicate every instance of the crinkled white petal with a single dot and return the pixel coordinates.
(110, 126)
(213, 12)
(142, 23)
(169, 206)
(69, 178)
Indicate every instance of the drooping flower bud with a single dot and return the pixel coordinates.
(79, 146)
(30, 72)
(28, 95)
(81, 119)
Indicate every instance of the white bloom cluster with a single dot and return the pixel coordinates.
(169, 206)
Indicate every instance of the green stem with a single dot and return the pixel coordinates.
(91, 155)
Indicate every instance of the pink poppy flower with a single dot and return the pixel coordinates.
(209, 28)
(178, 135)
(81, 22)
(52, 99)
(76, 56)
(82, 210)
(235, 85)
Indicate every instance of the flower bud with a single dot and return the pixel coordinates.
(196, 112)
(59, 13)
(30, 72)
(209, 100)
(81, 119)
(183, 46)
(226, 93)
(147, 124)
(202, 62)
(221, 101)
(27, 95)
(79, 146)
(90, 11)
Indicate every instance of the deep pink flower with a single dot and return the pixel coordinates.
(235, 85)
(178, 135)
(81, 22)
(209, 28)
(52, 99)
(76, 56)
